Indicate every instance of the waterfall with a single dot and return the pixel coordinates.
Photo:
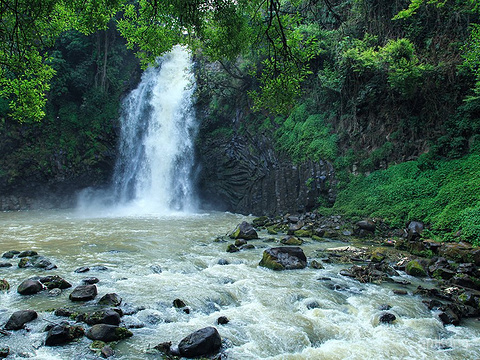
(155, 161)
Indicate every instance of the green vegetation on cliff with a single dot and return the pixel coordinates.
(444, 194)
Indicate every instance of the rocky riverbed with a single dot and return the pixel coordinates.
(96, 308)
(376, 254)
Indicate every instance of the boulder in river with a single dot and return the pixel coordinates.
(414, 268)
(200, 343)
(110, 299)
(244, 231)
(4, 285)
(55, 281)
(27, 253)
(19, 318)
(10, 254)
(108, 316)
(84, 293)
(4, 351)
(284, 258)
(63, 333)
(108, 333)
(29, 287)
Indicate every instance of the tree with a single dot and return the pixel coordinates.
(223, 29)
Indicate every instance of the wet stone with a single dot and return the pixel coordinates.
(222, 320)
(83, 293)
(5, 264)
(91, 280)
(19, 318)
(62, 334)
(29, 287)
(110, 299)
(27, 253)
(201, 342)
(387, 318)
(82, 269)
(10, 254)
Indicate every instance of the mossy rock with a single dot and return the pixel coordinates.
(414, 268)
(260, 221)
(270, 262)
(316, 238)
(4, 285)
(292, 240)
(314, 264)
(303, 233)
(376, 256)
(231, 248)
(272, 231)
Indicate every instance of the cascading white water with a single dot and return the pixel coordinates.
(154, 168)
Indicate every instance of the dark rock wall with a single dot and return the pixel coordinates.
(245, 174)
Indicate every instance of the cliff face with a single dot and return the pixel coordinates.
(245, 174)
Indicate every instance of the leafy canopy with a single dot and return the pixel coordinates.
(222, 29)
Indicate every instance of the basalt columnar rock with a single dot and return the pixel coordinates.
(200, 343)
(246, 174)
(284, 258)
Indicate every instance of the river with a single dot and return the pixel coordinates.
(153, 259)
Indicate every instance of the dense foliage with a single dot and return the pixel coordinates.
(444, 194)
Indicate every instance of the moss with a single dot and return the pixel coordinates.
(414, 268)
(123, 333)
(291, 240)
(303, 233)
(270, 263)
(4, 285)
(272, 231)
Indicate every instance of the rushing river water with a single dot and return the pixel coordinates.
(273, 315)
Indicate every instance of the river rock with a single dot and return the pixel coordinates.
(107, 351)
(4, 351)
(29, 287)
(55, 281)
(222, 320)
(200, 343)
(63, 333)
(284, 258)
(109, 316)
(4, 285)
(82, 269)
(387, 318)
(19, 318)
(5, 264)
(367, 225)
(10, 254)
(108, 333)
(110, 299)
(25, 262)
(84, 293)
(44, 263)
(414, 268)
(90, 280)
(414, 230)
(27, 253)
(291, 240)
(244, 231)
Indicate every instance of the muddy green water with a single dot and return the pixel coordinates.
(270, 313)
